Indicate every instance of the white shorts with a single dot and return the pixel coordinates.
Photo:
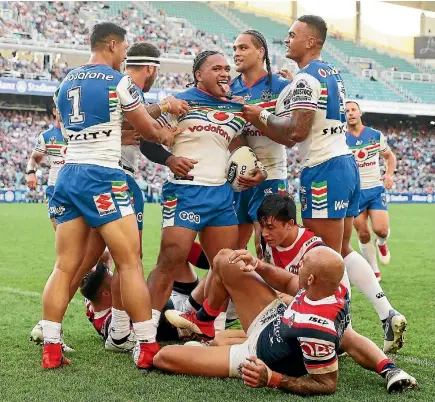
(179, 300)
(239, 353)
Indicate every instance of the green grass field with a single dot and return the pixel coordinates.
(27, 257)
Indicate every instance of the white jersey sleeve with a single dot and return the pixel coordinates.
(40, 144)
(128, 95)
(383, 144)
(168, 120)
(305, 92)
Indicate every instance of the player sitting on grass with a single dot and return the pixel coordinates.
(297, 340)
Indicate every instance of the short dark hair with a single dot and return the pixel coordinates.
(143, 49)
(92, 281)
(316, 22)
(356, 103)
(100, 32)
(277, 206)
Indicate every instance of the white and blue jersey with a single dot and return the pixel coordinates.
(366, 148)
(329, 179)
(272, 155)
(91, 101)
(52, 144)
(203, 198)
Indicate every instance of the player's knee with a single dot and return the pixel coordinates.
(364, 235)
(221, 259)
(170, 258)
(381, 231)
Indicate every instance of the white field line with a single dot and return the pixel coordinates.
(21, 292)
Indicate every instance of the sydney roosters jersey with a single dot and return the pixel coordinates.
(305, 337)
(100, 320)
(208, 129)
(290, 257)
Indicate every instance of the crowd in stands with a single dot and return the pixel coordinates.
(19, 130)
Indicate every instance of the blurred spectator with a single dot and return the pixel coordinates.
(18, 132)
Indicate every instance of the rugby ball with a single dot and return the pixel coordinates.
(241, 161)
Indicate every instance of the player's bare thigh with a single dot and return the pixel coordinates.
(380, 222)
(248, 291)
(330, 230)
(211, 361)
(361, 224)
(346, 248)
(71, 240)
(122, 238)
(53, 223)
(245, 233)
(229, 337)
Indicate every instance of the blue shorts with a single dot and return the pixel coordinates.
(373, 198)
(248, 201)
(331, 190)
(97, 193)
(136, 199)
(196, 207)
(48, 196)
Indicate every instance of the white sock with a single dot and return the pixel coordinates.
(382, 240)
(156, 317)
(363, 277)
(369, 253)
(120, 324)
(51, 331)
(145, 331)
(231, 311)
(346, 283)
(188, 307)
(219, 322)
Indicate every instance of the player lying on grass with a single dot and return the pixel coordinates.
(96, 287)
(297, 340)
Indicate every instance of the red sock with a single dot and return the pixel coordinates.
(206, 313)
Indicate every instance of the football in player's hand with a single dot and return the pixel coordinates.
(241, 161)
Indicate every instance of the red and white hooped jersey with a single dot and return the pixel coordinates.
(100, 320)
(289, 258)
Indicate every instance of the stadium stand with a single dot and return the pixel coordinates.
(183, 29)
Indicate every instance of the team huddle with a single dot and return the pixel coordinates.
(292, 298)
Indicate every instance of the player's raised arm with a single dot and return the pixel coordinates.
(295, 112)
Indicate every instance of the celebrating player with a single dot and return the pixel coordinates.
(258, 87)
(201, 201)
(50, 143)
(284, 343)
(330, 182)
(367, 145)
(91, 189)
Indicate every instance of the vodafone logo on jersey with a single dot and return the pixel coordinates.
(361, 154)
(220, 117)
(366, 164)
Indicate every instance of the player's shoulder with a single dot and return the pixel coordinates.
(91, 73)
(372, 131)
(319, 70)
(278, 82)
(310, 240)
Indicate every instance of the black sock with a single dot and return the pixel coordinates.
(194, 303)
(185, 288)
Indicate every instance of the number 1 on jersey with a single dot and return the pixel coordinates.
(76, 116)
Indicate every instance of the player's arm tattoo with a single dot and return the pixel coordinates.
(314, 384)
(295, 128)
(154, 110)
(278, 278)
